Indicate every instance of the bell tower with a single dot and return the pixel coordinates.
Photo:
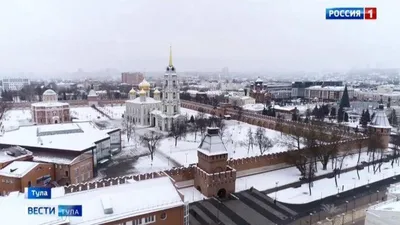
(213, 176)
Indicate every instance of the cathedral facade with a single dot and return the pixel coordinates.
(160, 111)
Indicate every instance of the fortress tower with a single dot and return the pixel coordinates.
(213, 176)
(380, 126)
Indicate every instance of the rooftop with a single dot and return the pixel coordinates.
(56, 136)
(126, 200)
(18, 168)
(380, 119)
(148, 100)
(44, 104)
(212, 143)
(12, 153)
(332, 88)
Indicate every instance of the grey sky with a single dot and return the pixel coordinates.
(206, 35)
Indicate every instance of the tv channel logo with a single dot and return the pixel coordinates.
(60, 210)
(70, 210)
(41, 210)
(368, 13)
(39, 193)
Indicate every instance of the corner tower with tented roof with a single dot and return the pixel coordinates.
(213, 175)
(380, 126)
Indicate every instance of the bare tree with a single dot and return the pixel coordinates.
(293, 140)
(4, 106)
(249, 140)
(151, 140)
(396, 147)
(262, 141)
(330, 150)
(200, 121)
(375, 151)
(299, 160)
(128, 127)
(178, 130)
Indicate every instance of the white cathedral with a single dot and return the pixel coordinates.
(156, 112)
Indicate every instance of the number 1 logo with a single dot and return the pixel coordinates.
(370, 13)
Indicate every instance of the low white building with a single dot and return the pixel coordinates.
(241, 100)
(333, 93)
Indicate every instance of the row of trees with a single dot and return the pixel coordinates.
(314, 151)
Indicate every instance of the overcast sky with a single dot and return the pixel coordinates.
(206, 35)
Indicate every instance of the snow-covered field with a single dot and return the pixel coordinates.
(234, 136)
(86, 113)
(190, 112)
(22, 116)
(326, 187)
(114, 112)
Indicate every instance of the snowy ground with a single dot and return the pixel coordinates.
(114, 112)
(326, 187)
(86, 113)
(22, 116)
(190, 112)
(234, 136)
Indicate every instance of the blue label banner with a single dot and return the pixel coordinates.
(39, 193)
(70, 210)
(344, 13)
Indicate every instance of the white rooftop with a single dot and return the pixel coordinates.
(12, 153)
(147, 100)
(380, 119)
(126, 200)
(92, 93)
(18, 168)
(212, 143)
(49, 104)
(56, 136)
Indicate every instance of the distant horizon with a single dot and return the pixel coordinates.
(269, 36)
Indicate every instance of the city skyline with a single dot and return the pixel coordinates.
(245, 36)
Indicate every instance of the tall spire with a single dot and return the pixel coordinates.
(170, 56)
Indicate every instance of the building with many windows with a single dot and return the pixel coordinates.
(76, 150)
(14, 84)
(50, 111)
(132, 78)
(327, 93)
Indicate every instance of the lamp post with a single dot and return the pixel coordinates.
(311, 218)
(186, 156)
(276, 188)
(354, 206)
(377, 195)
(347, 204)
(343, 214)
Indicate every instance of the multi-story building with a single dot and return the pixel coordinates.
(299, 87)
(153, 201)
(14, 84)
(50, 111)
(76, 150)
(327, 93)
(132, 78)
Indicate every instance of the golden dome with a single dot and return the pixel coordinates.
(156, 92)
(142, 92)
(144, 85)
(132, 92)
